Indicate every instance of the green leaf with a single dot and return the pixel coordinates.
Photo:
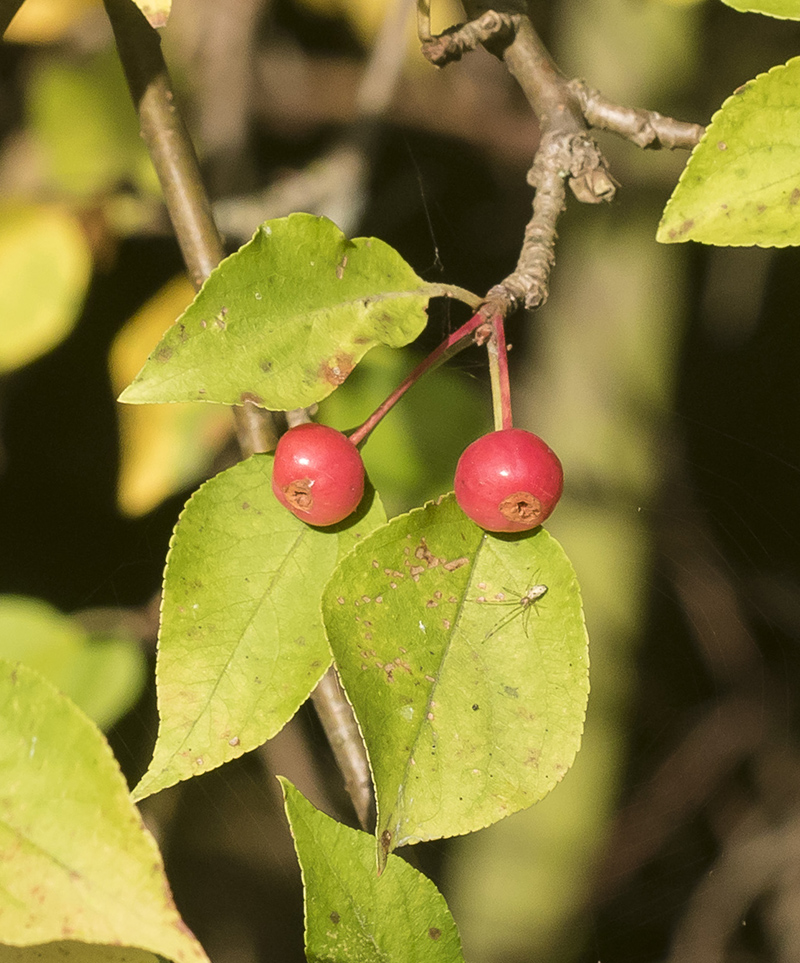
(742, 183)
(470, 709)
(104, 677)
(45, 266)
(75, 859)
(352, 913)
(284, 320)
(241, 644)
(782, 9)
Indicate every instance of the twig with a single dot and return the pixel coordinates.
(456, 41)
(176, 164)
(567, 153)
(645, 128)
(424, 19)
(341, 730)
(497, 352)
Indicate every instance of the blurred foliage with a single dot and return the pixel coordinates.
(103, 676)
(45, 266)
(163, 448)
(82, 118)
(48, 21)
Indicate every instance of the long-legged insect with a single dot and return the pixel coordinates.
(523, 605)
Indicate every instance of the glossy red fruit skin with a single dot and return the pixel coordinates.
(508, 481)
(318, 474)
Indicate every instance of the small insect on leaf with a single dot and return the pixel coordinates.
(523, 605)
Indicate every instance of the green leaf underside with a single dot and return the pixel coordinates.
(352, 913)
(782, 9)
(75, 859)
(468, 715)
(284, 320)
(742, 183)
(241, 643)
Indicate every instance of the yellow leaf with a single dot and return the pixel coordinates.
(45, 266)
(47, 21)
(164, 448)
(366, 16)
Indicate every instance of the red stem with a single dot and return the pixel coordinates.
(451, 345)
(502, 370)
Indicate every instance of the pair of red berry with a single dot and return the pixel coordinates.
(506, 481)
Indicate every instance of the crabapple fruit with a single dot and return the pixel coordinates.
(508, 481)
(318, 474)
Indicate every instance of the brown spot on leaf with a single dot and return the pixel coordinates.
(265, 365)
(721, 145)
(435, 933)
(456, 563)
(336, 370)
(521, 507)
(163, 353)
(683, 229)
(334, 917)
(298, 494)
(794, 197)
(252, 397)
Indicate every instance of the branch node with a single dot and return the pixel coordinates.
(454, 42)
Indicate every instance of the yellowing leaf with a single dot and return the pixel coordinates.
(47, 21)
(163, 448)
(366, 16)
(156, 11)
(45, 267)
(75, 859)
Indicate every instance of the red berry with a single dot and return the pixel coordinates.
(318, 474)
(508, 481)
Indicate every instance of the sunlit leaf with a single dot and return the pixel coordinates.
(104, 677)
(163, 448)
(241, 643)
(45, 266)
(742, 183)
(352, 913)
(283, 321)
(783, 9)
(471, 703)
(75, 858)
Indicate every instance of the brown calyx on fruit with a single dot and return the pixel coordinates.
(521, 507)
(298, 494)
